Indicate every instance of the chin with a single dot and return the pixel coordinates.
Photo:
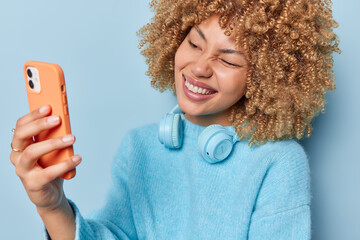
(192, 109)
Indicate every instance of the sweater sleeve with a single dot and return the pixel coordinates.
(282, 208)
(114, 220)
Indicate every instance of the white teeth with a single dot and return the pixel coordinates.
(196, 89)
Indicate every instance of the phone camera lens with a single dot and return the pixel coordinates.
(31, 84)
(29, 73)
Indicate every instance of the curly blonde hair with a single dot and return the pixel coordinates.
(288, 45)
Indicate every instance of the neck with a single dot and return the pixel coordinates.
(207, 120)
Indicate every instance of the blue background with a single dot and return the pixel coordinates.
(108, 94)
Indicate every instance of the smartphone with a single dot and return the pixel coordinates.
(45, 84)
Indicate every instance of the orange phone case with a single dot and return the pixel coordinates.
(52, 92)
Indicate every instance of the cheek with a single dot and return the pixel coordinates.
(232, 83)
(180, 59)
(178, 66)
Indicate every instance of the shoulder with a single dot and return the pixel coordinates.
(141, 135)
(139, 138)
(288, 167)
(285, 186)
(278, 147)
(147, 131)
(289, 157)
(273, 159)
(279, 151)
(136, 141)
(286, 177)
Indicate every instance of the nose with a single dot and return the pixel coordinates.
(201, 68)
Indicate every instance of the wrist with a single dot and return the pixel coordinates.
(62, 205)
(59, 221)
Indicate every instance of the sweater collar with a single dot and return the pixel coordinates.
(191, 130)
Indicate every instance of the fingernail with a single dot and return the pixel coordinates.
(53, 119)
(68, 138)
(76, 159)
(44, 108)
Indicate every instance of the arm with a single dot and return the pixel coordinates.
(114, 220)
(42, 184)
(63, 215)
(282, 209)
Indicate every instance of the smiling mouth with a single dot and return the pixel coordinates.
(197, 89)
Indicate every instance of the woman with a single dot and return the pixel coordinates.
(259, 69)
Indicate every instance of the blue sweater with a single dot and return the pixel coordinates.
(261, 192)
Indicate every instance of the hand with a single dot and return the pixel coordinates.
(43, 185)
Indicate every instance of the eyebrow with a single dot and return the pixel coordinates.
(230, 51)
(200, 33)
(225, 51)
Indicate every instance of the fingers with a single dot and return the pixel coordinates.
(35, 127)
(36, 114)
(35, 180)
(34, 151)
(54, 171)
(24, 140)
(25, 132)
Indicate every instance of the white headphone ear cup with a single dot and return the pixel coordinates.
(215, 143)
(171, 130)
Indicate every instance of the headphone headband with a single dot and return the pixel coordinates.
(215, 143)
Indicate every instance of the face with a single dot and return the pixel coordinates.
(210, 74)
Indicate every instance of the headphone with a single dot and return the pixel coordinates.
(215, 142)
